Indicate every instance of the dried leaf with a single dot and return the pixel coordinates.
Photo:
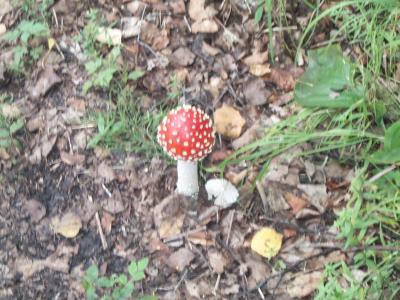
(109, 35)
(256, 93)
(170, 227)
(106, 172)
(267, 242)
(296, 203)
(180, 259)
(72, 159)
(3, 29)
(68, 225)
(198, 12)
(260, 69)
(217, 260)
(5, 7)
(205, 26)
(183, 57)
(257, 58)
(228, 122)
(316, 194)
(304, 284)
(130, 27)
(48, 78)
(35, 209)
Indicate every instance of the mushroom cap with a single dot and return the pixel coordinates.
(186, 133)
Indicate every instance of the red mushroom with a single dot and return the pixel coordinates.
(187, 135)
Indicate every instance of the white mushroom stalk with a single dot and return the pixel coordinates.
(187, 135)
(188, 182)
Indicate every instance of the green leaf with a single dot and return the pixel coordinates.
(5, 143)
(126, 291)
(327, 82)
(392, 137)
(139, 275)
(92, 273)
(259, 12)
(135, 75)
(101, 124)
(4, 133)
(92, 66)
(391, 147)
(132, 268)
(122, 279)
(105, 282)
(17, 125)
(91, 293)
(142, 264)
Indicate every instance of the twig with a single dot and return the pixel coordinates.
(106, 190)
(230, 227)
(216, 285)
(180, 280)
(263, 196)
(382, 173)
(184, 234)
(99, 228)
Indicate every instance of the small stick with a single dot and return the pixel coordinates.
(184, 234)
(263, 196)
(230, 228)
(382, 173)
(261, 294)
(180, 280)
(99, 228)
(106, 190)
(216, 285)
(187, 24)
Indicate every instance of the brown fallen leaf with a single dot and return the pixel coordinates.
(217, 260)
(3, 29)
(198, 11)
(67, 225)
(5, 7)
(228, 122)
(259, 69)
(106, 222)
(4, 154)
(48, 78)
(295, 202)
(205, 26)
(130, 26)
(170, 227)
(106, 172)
(304, 284)
(248, 136)
(183, 57)
(113, 205)
(285, 79)
(180, 259)
(257, 58)
(77, 104)
(109, 35)
(35, 209)
(177, 6)
(255, 92)
(72, 159)
(316, 195)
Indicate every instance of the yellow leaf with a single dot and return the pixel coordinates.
(266, 242)
(260, 69)
(50, 43)
(68, 225)
(228, 122)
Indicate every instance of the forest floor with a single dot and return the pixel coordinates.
(83, 87)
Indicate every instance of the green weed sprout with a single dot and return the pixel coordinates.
(117, 286)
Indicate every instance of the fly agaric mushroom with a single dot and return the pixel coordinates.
(187, 135)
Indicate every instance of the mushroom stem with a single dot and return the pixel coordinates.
(188, 183)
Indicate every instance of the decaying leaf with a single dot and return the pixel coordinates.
(217, 260)
(48, 78)
(205, 26)
(72, 159)
(228, 122)
(224, 192)
(106, 172)
(170, 227)
(180, 259)
(259, 69)
(3, 29)
(198, 11)
(130, 27)
(295, 202)
(109, 35)
(183, 57)
(266, 242)
(256, 93)
(68, 225)
(304, 284)
(35, 209)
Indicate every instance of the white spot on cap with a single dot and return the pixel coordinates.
(184, 153)
(186, 144)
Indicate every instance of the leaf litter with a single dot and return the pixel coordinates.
(226, 69)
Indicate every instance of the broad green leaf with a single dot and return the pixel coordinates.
(101, 124)
(92, 273)
(392, 137)
(327, 82)
(142, 264)
(139, 275)
(92, 66)
(135, 75)
(132, 268)
(105, 282)
(126, 291)
(122, 279)
(91, 293)
(4, 133)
